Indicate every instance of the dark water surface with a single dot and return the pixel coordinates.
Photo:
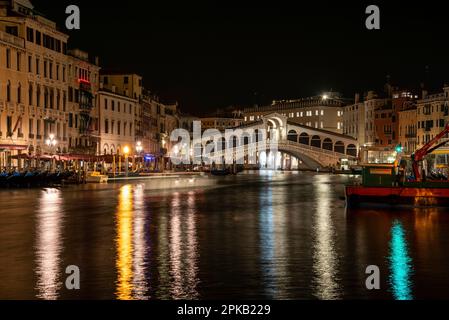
(273, 235)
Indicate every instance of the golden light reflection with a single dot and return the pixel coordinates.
(325, 259)
(124, 244)
(49, 244)
(175, 248)
(425, 197)
(140, 285)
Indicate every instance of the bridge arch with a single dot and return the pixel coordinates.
(328, 144)
(339, 147)
(292, 135)
(316, 141)
(304, 138)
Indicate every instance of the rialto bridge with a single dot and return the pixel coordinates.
(297, 146)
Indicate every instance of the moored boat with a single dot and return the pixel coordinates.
(388, 183)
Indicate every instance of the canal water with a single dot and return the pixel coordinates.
(251, 236)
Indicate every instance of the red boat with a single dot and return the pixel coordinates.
(387, 183)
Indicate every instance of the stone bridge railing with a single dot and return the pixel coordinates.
(321, 156)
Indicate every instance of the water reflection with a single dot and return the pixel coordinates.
(273, 244)
(124, 244)
(267, 241)
(400, 264)
(141, 248)
(325, 261)
(183, 248)
(49, 244)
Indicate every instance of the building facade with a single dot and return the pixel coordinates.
(33, 84)
(432, 116)
(408, 124)
(320, 112)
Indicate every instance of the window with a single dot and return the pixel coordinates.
(70, 94)
(9, 126)
(38, 37)
(118, 127)
(12, 30)
(8, 91)
(30, 126)
(8, 58)
(30, 62)
(37, 66)
(105, 80)
(50, 72)
(113, 105)
(45, 69)
(19, 93)
(38, 96)
(63, 74)
(30, 34)
(19, 61)
(57, 72)
(70, 120)
(106, 104)
(30, 94)
(126, 80)
(106, 126)
(64, 101)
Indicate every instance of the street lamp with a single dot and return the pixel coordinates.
(51, 142)
(126, 151)
(139, 149)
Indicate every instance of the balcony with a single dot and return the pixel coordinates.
(9, 38)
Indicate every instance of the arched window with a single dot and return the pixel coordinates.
(304, 138)
(339, 147)
(292, 136)
(30, 94)
(327, 144)
(8, 91)
(38, 96)
(46, 97)
(19, 93)
(316, 142)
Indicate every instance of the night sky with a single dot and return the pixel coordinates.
(212, 54)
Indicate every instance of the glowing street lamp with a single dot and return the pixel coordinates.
(139, 150)
(51, 142)
(126, 151)
(139, 147)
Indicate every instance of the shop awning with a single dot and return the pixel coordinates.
(13, 147)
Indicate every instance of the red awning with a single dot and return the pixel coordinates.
(13, 147)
